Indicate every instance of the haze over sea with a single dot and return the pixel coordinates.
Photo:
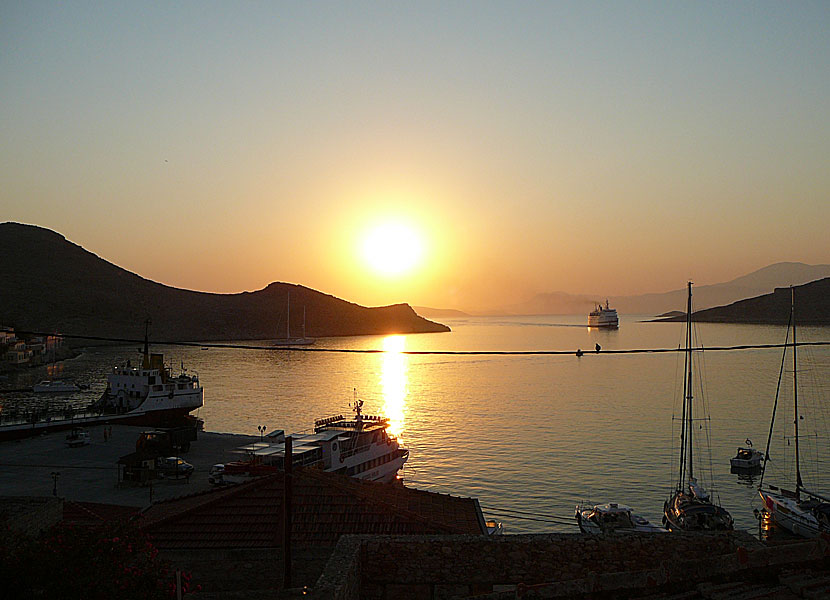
(520, 433)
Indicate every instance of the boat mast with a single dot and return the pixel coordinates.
(145, 363)
(798, 483)
(689, 427)
(685, 430)
(288, 317)
(777, 396)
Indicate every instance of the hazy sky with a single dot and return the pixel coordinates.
(608, 148)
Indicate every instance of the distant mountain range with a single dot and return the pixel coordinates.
(762, 281)
(50, 284)
(439, 313)
(812, 307)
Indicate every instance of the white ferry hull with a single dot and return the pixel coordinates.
(606, 323)
(386, 473)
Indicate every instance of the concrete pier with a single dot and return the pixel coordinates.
(90, 473)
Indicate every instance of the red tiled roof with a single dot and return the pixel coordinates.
(325, 506)
(94, 513)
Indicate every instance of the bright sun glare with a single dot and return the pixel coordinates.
(392, 248)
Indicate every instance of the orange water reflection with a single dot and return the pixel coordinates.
(393, 380)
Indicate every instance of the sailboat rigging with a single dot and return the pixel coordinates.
(690, 507)
(288, 340)
(803, 512)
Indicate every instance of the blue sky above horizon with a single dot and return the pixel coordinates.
(609, 148)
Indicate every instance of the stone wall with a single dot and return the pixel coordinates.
(402, 567)
(245, 571)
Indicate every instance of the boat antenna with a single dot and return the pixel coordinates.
(777, 395)
(146, 362)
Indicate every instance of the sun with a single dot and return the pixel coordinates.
(392, 248)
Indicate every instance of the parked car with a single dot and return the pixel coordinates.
(215, 477)
(173, 466)
(77, 438)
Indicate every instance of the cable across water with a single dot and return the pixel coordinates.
(578, 352)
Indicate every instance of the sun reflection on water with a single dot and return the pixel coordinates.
(393, 380)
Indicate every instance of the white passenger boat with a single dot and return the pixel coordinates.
(605, 317)
(611, 518)
(803, 511)
(361, 447)
(150, 389)
(55, 386)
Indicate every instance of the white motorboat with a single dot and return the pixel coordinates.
(55, 386)
(802, 511)
(690, 507)
(747, 459)
(605, 317)
(361, 447)
(599, 519)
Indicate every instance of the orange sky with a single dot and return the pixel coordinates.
(586, 148)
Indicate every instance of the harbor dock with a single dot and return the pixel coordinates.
(91, 473)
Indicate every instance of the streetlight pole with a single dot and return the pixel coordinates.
(55, 475)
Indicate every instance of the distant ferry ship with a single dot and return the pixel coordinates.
(603, 317)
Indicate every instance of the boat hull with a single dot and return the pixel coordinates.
(590, 526)
(683, 512)
(787, 513)
(603, 324)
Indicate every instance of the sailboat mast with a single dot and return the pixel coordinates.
(684, 429)
(689, 426)
(777, 396)
(288, 317)
(798, 483)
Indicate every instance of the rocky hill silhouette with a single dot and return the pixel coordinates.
(812, 307)
(50, 284)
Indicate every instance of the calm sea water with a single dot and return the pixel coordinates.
(529, 436)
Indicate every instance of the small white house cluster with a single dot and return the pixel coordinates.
(35, 350)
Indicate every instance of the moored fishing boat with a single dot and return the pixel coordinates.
(690, 507)
(802, 511)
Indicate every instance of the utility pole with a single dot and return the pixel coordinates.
(288, 469)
